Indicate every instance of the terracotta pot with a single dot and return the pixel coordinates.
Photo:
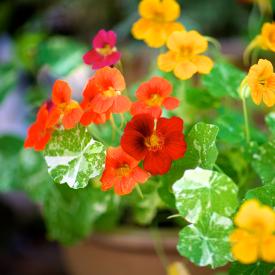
(126, 253)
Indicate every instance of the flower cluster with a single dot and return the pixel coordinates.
(147, 137)
(254, 237)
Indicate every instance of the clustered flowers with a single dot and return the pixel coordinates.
(151, 142)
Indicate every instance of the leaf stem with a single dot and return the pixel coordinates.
(246, 124)
(139, 191)
(218, 168)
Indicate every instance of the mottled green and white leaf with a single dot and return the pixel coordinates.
(202, 192)
(207, 242)
(263, 162)
(270, 121)
(74, 157)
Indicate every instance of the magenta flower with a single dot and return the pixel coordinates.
(104, 52)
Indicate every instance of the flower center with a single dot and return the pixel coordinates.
(155, 100)
(123, 170)
(106, 50)
(155, 142)
(111, 92)
(186, 51)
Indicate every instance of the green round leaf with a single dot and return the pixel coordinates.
(206, 243)
(202, 192)
(74, 157)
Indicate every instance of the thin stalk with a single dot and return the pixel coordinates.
(246, 124)
(139, 191)
(218, 168)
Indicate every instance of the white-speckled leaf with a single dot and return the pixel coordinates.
(201, 192)
(201, 147)
(270, 121)
(74, 157)
(263, 162)
(206, 243)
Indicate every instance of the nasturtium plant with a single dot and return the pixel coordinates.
(263, 159)
(74, 157)
(201, 192)
(206, 242)
(224, 80)
(70, 214)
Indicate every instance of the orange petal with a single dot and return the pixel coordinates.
(185, 70)
(71, 118)
(204, 64)
(167, 61)
(268, 249)
(139, 175)
(121, 104)
(171, 103)
(269, 97)
(61, 92)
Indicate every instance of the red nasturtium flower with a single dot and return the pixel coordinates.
(122, 172)
(64, 108)
(104, 52)
(102, 96)
(152, 95)
(156, 141)
(40, 131)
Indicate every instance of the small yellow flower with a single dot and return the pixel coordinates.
(265, 40)
(184, 56)
(177, 268)
(254, 238)
(157, 21)
(261, 81)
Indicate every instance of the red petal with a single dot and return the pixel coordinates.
(121, 104)
(143, 123)
(169, 125)
(101, 104)
(124, 186)
(160, 86)
(108, 179)
(42, 142)
(157, 163)
(171, 103)
(71, 118)
(53, 117)
(175, 145)
(139, 175)
(92, 57)
(61, 92)
(132, 142)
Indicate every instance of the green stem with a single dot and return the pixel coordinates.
(246, 125)
(139, 191)
(159, 248)
(218, 168)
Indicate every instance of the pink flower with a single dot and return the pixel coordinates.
(104, 52)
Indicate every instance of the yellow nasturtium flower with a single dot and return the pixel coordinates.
(261, 81)
(265, 40)
(157, 21)
(254, 239)
(184, 55)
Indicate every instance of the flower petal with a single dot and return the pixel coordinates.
(72, 117)
(121, 104)
(171, 103)
(204, 64)
(185, 70)
(124, 186)
(167, 61)
(139, 175)
(157, 163)
(92, 57)
(61, 92)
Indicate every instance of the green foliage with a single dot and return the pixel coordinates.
(70, 214)
(10, 147)
(206, 243)
(263, 160)
(201, 151)
(202, 192)
(74, 157)
(260, 268)
(270, 121)
(33, 174)
(266, 194)
(60, 54)
(223, 80)
(8, 79)
(206, 199)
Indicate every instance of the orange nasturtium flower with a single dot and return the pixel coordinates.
(254, 238)
(64, 109)
(152, 95)
(41, 130)
(184, 55)
(265, 40)
(122, 172)
(157, 21)
(261, 81)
